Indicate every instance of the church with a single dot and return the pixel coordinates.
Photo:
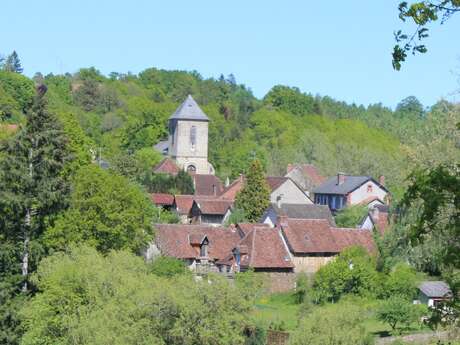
(187, 144)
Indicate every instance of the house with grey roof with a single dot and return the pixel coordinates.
(347, 190)
(432, 293)
(296, 211)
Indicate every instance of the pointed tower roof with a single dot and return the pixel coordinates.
(189, 110)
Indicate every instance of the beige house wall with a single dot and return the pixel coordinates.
(309, 264)
(290, 194)
(362, 193)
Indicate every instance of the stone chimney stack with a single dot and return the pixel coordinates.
(340, 178)
(382, 180)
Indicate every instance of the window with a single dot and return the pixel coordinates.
(193, 137)
(204, 250)
(191, 168)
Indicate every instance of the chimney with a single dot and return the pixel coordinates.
(382, 180)
(214, 190)
(278, 200)
(340, 178)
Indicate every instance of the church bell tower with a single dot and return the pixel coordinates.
(188, 138)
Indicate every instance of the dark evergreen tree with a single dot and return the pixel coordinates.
(32, 186)
(254, 198)
(184, 183)
(13, 63)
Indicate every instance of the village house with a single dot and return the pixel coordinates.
(431, 293)
(313, 243)
(210, 211)
(296, 211)
(263, 250)
(163, 200)
(306, 176)
(282, 189)
(347, 190)
(201, 247)
(182, 206)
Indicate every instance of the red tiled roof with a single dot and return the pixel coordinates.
(246, 228)
(308, 171)
(346, 237)
(178, 240)
(232, 190)
(262, 247)
(213, 206)
(317, 236)
(162, 198)
(275, 181)
(207, 184)
(183, 203)
(167, 166)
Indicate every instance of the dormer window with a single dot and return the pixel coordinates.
(193, 137)
(204, 249)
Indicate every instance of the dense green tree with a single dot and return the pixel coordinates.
(254, 198)
(397, 311)
(19, 87)
(105, 211)
(352, 272)
(331, 326)
(290, 99)
(87, 298)
(351, 216)
(32, 188)
(13, 63)
(401, 281)
(165, 266)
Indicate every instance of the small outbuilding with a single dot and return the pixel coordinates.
(432, 293)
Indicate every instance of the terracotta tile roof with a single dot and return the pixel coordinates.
(317, 236)
(213, 206)
(265, 249)
(232, 190)
(309, 236)
(207, 184)
(180, 241)
(246, 228)
(162, 199)
(308, 171)
(275, 181)
(166, 166)
(346, 237)
(183, 203)
(261, 248)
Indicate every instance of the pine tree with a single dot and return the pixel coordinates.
(12, 63)
(32, 186)
(254, 198)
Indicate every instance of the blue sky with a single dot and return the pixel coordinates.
(336, 48)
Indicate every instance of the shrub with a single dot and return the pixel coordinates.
(165, 266)
(398, 311)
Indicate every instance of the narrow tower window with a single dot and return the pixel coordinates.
(193, 137)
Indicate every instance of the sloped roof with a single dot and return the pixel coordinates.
(435, 289)
(189, 110)
(275, 182)
(265, 249)
(162, 198)
(232, 190)
(183, 203)
(176, 240)
(308, 171)
(166, 166)
(246, 228)
(213, 206)
(317, 236)
(350, 184)
(303, 211)
(204, 183)
(162, 147)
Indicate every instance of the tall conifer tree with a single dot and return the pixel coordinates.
(254, 198)
(13, 63)
(32, 186)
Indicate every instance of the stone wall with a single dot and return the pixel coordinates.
(279, 281)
